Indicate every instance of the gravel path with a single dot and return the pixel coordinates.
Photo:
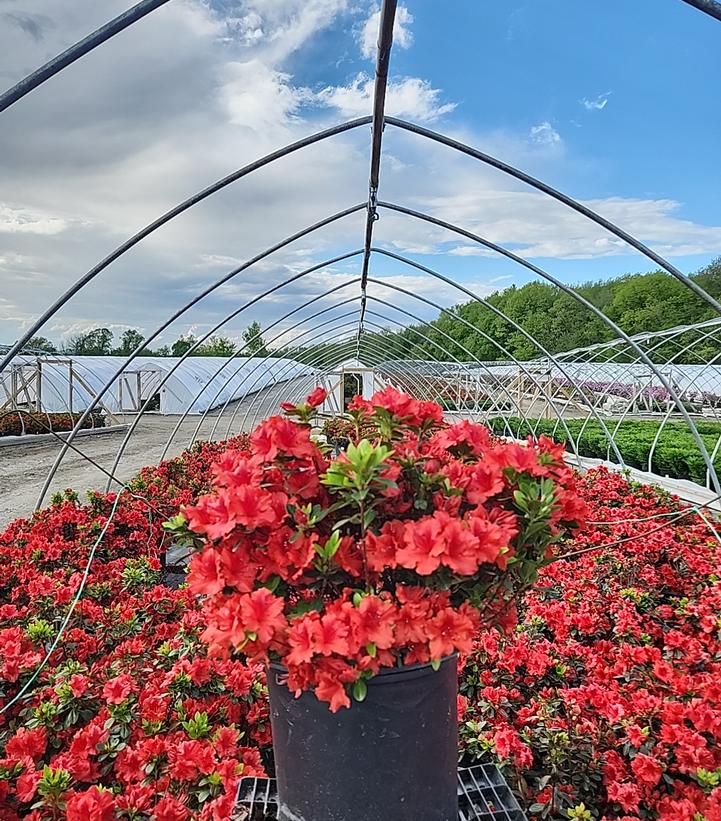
(24, 467)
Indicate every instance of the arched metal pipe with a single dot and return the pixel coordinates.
(174, 212)
(473, 328)
(560, 197)
(473, 358)
(279, 286)
(383, 56)
(227, 277)
(78, 50)
(332, 362)
(614, 327)
(519, 364)
(550, 278)
(321, 355)
(259, 365)
(238, 355)
(496, 344)
(710, 7)
(380, 347)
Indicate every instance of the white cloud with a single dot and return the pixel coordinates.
(545, 134)
(368, 33)
(533, 226)
(29, 221)
(596, 103)
(407, 97)
(258, 97)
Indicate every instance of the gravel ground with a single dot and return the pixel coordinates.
(24, 467)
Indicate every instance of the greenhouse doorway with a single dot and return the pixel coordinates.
(352, 386)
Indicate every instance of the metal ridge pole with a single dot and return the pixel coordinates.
(78, 50)
(385, 42)
(707, 6)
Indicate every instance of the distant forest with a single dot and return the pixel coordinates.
(635, 302)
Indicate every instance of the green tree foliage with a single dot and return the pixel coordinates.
(182, 345)
(557, 321)
(129, 341)
(253, 341)
(217, 346)
(40, 343)
(97, 342)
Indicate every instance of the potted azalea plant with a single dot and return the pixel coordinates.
(358, 580)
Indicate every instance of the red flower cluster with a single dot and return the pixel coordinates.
(609, 694)
(129, 719)
(393, 553)
(604, 703)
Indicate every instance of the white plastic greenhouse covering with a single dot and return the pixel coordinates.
(56, 384)
(693, 382)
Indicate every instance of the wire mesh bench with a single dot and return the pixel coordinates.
(483, 795)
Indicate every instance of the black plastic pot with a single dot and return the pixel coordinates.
(392, 756)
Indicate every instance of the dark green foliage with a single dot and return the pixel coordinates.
(635, 302)
(676, 453)
(254, 344)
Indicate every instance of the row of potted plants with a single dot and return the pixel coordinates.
(21, 423)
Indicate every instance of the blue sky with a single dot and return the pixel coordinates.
(615, 103)
(629, 90)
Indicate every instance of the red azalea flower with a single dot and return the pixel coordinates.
(647, 770)
(422, 545)
(262, 613)
(331, 635)
(211, 515)
(27, 785)
(91, 805)
(206, 572)
(301, 639)
(252, 507)
(317, 397)
(373, 622)
(449, 631)
(27, 743)
(460, 546)
(117, 689)
(170, 809)
(330, 689)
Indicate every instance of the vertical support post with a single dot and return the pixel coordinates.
(70, 385)
(39, 387)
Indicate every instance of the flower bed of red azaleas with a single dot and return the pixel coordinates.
(129, 702)
(605, 703)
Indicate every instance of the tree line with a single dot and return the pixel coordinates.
(100, 342)
(542, 318)
(636, 303)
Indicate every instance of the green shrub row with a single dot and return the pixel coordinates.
(676, 453)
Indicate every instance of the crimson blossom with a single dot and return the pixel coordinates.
(396, 552)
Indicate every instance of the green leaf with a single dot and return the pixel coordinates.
(306, 606)
(436, 664)
(360, 690)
